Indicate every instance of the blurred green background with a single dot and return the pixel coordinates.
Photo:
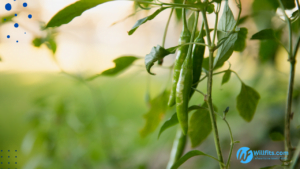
(57, 120)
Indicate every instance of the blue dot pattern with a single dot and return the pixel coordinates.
(8, 6)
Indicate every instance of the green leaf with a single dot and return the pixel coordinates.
(240, 43)
(178, 11)
(121, 64)
(217, 1)
(295, 14)
(37, 42)
(276, 136)
(227, 21)
(296, 22)
(157, 53)
(265, 5)
(289, 4)
(226, 77)
(266, 34)
(174, 120)
(7, 18)
(210, 8)
(144, 20)
(158, 108)
(226, 49)
(169, 123)
(191, 21)
(199, 127)
(67, 14)
(268, 50)
(189, 155)
(226, 24)
(242, 19)
(247, 102)
(51, 44)
(0, 59)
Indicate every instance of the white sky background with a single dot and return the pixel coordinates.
(88, 43)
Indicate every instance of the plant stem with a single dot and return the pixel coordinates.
(295, 157)
(216, 23)
(209, 92)
(231, 144)
(166, 28)
(160, 62)
(288, 111)
(178, 147)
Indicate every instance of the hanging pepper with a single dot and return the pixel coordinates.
(184, 85)
(198, 56)
(180, 57)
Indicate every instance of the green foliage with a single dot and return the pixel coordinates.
(200, 127)
(226, 24)
(265, 34)
(243, 19)
(289, 4)
(158, 108)
(191, 21)
(189, 155)
(121, 64)
(144, 20)
(173, 120)
(67, 14)
(240, 43)
(226, 77)
(178, 11)
(276, 136)
(157, 53)
(247, 102)
(49, 41)
(262, 5)
(37, 42)
(51, 44)
(8, 18)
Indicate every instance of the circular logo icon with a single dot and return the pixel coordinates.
(244, 154)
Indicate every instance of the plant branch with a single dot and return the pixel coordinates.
(209, 92)
(199, 91)
(289, 100)
(166, 28)
(216, 22)
(231, 144)
(295, 157)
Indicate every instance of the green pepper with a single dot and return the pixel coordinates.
(184, 85)
(198, 56)
(180, 57)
